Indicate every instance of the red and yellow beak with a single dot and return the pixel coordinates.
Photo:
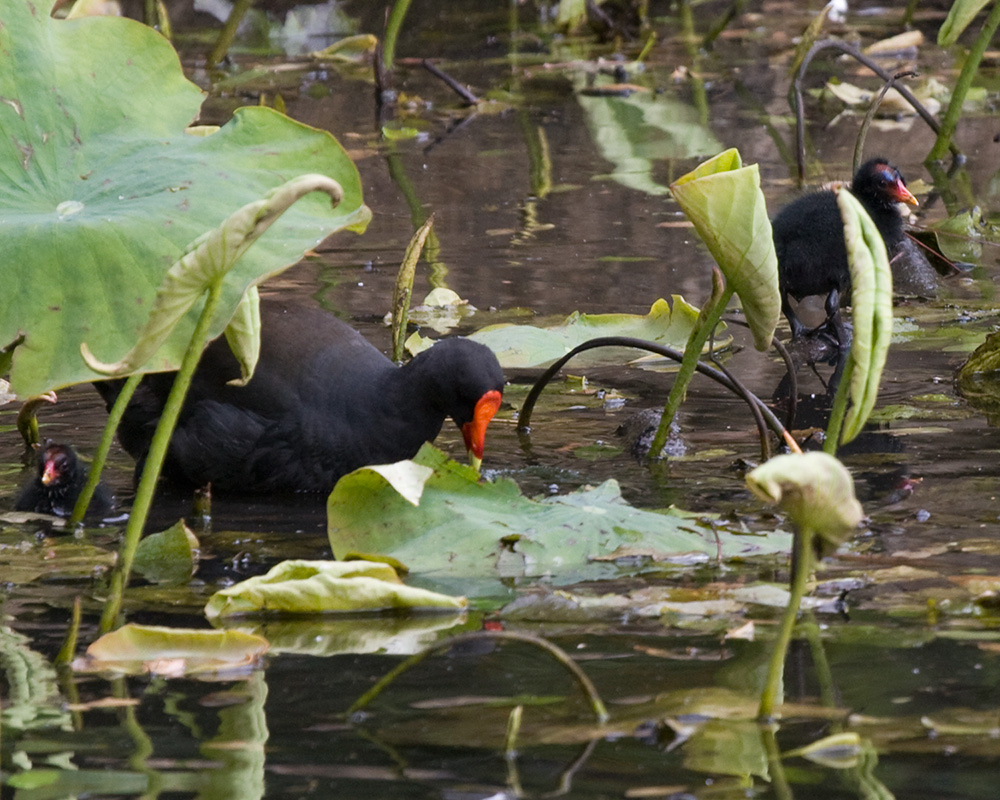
(474, 432)
(50, 474)
(904, 195)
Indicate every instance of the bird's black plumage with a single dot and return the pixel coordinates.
(323, 401)
(809, 238)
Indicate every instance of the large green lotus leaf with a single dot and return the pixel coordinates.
(313, 587)
(724, 201)
(524, 346)
(464, 528)
(104, 188)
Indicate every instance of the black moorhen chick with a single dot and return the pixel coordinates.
(57, 485)
(323, 401)
(809, 239)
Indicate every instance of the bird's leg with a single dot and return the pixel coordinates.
(793, 321)
(834, 319)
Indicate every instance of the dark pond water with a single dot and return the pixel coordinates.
(911, 663)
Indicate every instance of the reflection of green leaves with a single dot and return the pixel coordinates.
(635, 132)
(814, 489)
(978, 378)
(727, 747)
(104, 188)
(313, 587)
(528, 346)
(464, 528)
(724, 201)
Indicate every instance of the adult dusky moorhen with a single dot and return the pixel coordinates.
(57, 484)
(322, 402)
(809, 239)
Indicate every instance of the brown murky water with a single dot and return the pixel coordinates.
(915, 658)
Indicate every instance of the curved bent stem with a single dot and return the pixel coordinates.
(588, 688)
(524, 418)
(156, 456)
(907, 95)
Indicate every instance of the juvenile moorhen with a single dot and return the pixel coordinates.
(809, 239)
(323, 401)
(57, 485)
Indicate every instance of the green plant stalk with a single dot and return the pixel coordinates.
(963, 84)
(692, 353)
(392, 28)
(27, 418)
(156, 456)
(103, 448)
(228, 33)
(839, 410)
(403, 291)
(801, 570)
(418, 216)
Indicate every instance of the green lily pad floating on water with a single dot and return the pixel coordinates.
(461, 528)
(313, 587)
(526, 346)
(105, 187)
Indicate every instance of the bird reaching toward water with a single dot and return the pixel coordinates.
(323, 401)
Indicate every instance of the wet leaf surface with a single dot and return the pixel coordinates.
(92, 178)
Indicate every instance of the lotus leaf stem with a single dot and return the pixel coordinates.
(954, 111)
(156, 456)
(103, 448)
(802, 563)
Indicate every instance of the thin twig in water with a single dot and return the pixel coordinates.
(462, 91)
(859, 145)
